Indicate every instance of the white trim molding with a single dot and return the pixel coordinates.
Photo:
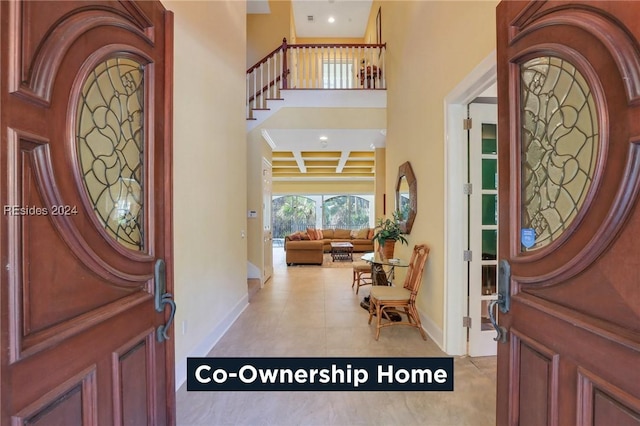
(482, 77)
(210, 340)
(432, 329)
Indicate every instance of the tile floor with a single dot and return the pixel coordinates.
(312, 311)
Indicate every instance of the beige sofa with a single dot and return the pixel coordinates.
(301, 249)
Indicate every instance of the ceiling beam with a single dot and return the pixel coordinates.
(300, 161)
(343, 160)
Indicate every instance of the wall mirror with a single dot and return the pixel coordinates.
(406, 197)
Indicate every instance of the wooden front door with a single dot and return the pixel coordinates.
(569, 154)
(86, 196)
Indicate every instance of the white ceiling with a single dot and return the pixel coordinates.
(351, 17)
(336, 139)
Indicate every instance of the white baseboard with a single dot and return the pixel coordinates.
(253, 271)
(210, 340)
(432, 330)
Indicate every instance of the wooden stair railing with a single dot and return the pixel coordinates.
(314, 66)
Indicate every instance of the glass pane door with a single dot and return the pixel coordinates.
(483, 226)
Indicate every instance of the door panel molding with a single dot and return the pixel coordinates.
(32, 78)
(540, 357)
(623, 48)
(32, 343)
(589, 385)
(606, 234)
(599, 327)
(67, 231)
(128, 363)
(83, 407)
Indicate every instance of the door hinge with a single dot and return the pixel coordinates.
(467, 188)
(467, 124)
(467, 255)
(466, 322)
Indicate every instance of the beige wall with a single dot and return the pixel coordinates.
(432, 46)
(209, 162)
(266, 31)
(370, 31)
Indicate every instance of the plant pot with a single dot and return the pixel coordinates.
(387, 249)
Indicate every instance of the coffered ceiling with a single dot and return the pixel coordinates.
(324, 154)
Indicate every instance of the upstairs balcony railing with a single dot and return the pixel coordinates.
(315, 66)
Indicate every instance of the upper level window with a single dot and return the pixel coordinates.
(337, 74)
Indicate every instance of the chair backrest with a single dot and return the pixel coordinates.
(413, 280)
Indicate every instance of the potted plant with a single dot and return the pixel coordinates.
(388, 232)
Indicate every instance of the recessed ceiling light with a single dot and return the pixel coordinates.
(332, 19)
(323, 138)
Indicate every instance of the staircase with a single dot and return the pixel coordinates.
(321, 70)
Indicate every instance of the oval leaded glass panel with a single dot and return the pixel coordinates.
(110, 144)
(559, 147)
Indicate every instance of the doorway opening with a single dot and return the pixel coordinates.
(454, 339)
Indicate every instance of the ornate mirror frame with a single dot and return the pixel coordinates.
(406, 172)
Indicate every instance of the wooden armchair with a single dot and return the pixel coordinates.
(361, 275)
(401, 300)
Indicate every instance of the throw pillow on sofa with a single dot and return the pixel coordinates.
(312, 234)
(362, 234)
(295, 237)
(342, 234)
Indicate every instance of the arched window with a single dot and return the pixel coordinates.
(292, 213)
(345, 212)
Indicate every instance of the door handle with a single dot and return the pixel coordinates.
(162, 298)
(503, 302)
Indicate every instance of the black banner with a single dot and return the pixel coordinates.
(320, 374)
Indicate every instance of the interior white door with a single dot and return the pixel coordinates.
(483, 226)
(266, 220)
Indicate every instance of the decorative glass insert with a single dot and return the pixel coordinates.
(110, 125)
(560, 138)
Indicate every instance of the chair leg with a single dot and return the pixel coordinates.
(409, 314)
(379, 320)
(371, 305)
(416, 318)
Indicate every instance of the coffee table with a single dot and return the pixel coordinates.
(341, 251)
